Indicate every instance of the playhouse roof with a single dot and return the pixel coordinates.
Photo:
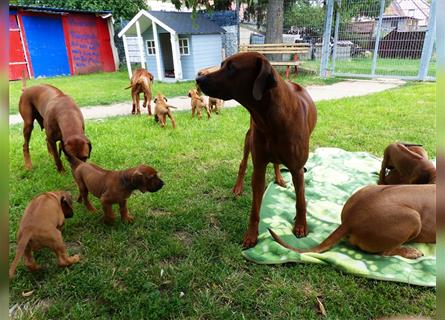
(56, 10)
(182, 22)
(176, 22)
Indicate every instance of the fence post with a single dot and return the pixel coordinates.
(326, 39)
(428, 43)
(377, 37)
(337, 24)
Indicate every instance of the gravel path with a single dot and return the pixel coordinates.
(348, 88)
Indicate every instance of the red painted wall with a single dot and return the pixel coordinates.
(16, 53)
(88, 42)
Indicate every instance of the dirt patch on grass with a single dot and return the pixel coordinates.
(29, 309)
(184, 237)
(158, 213)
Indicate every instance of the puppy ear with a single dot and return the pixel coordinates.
(90, 148)
(189, 94)
(66, 202)
(264, 81)
(156, 99)
(165, 98)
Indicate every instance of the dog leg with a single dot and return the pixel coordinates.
(238, 187)
(27, 130)
(30, 263)
(193, 111)
(172, 119)
(208, 112)
(258, 183)
(125, 216)
(199, 113)
(300, 227)
(83, 195)
(52, 148)
(406, 252)
(279, 180)
(138, 107)
(108, 212)
(60, 250)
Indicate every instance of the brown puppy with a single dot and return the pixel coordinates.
(215, 104)
(406, 164)
(380, 219)
(41, 226)
(61, 118)
(112, 187)
(239, 184)
(198, 103)
(162, 110)
(283, 117)
(141, 82)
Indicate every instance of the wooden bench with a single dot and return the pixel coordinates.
(293, 49)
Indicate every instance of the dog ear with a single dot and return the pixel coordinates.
(165, 98)
(189, 94)
(66, 202)
(264, 81)
(156, 99)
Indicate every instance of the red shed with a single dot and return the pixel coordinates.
(46, 42)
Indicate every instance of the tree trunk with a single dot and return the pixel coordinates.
(275, 19)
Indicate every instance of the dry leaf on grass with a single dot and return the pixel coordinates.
(27, 294)
(320, 306)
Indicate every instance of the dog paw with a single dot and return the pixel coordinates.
(91, 208)
(75, 258)
(128, 219)
(250, 239)
(237, 190)
(281, 183)
(300, 231)
(34, 267)
(108, 221)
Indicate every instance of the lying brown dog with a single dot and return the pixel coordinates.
(198, 103)
(162, 110)
(112, 187)
(406, 164)
(380, 219)
(61, 118)
(239, 184)
(215, 105)
(41, 227)
(283, 117)
(141, 82)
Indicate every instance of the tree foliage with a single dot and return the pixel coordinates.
(120, 8)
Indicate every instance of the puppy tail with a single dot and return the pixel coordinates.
(20, 251)
(169, 106)
(328, 243)
(128, 87)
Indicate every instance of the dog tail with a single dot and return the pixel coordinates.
(169, 106)
(23, 81)
(328, 243)
(20, 251)
(128, 87)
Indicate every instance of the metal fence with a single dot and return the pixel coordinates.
(379, 39)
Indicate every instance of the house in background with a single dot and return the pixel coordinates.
(172, 44)
(46, 42)
(418, 10)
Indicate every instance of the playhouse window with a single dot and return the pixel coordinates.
(184, 46)
(151, 50)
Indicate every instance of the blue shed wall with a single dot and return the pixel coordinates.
(206, 51)
(187, 61)
(46, 44)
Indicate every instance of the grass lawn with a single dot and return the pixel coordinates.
(107, 88)
(182, 256)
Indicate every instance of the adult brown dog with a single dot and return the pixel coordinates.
(283, 117)
(406, 164)
(380, 219)
(112, 187)
(162, 110)
(198, 103)
(41, 226)
(61, 118)
(141, 82)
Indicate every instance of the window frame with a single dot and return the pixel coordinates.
(184, 46)
(148, 48)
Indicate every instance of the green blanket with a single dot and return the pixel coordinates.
(332, 176)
